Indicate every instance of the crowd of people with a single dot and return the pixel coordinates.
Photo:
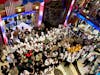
(11, 22)
(37, 52)
(91, 9)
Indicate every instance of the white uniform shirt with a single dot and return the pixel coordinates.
(9, 59)
(90, 56)
(20, 51)
(47, 62)
(26, 72)
(55, 54)
(66, 54)
(69, 59)
(61, 55)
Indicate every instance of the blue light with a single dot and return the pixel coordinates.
(98, 73)
(80, 16)
(88, 21)
(8, 17)
(40, 0)
(40, 17)
(66, 18)
(15, 15)
(93, 25)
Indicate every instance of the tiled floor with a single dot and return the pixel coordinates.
(80, 67)
(66, 70)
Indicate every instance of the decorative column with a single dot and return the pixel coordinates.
(3, 32)
(69, 12)
(41, 10)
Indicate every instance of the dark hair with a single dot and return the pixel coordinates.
(98, 11)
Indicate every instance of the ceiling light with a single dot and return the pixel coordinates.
(19, 10)
(37, 7)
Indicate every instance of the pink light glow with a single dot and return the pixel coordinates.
(42, 4)
(3, 31)
(0, 18)
(40, 13)
(39, 22)
(70, 9)
(5, 38)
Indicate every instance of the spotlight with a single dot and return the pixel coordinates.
(37, 7)
(19, 10)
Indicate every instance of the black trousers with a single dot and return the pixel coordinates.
(86, 62)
